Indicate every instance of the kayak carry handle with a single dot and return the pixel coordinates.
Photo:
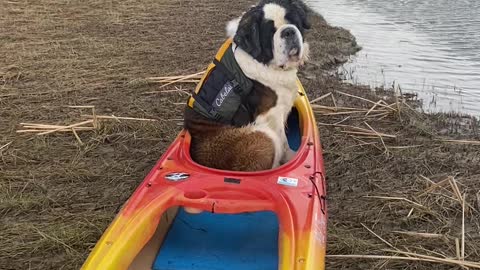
(237, 206)
(199, 199)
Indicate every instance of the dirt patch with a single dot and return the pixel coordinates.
(57, 198)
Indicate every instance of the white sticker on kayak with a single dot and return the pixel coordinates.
(286, 181)
(177, 176)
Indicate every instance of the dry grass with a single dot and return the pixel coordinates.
(398, 183)
(57, 196)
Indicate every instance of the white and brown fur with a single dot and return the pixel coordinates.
(271, 62)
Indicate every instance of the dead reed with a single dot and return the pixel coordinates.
(87, 125)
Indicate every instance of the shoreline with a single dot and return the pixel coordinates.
(57, 197)
(406, 50)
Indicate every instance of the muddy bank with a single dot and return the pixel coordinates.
(57, 198)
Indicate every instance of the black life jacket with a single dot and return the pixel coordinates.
(221, 95)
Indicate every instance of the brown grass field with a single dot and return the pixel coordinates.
(397, 178)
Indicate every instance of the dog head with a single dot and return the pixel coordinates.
(272, 33)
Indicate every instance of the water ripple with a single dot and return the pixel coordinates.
(431, 47)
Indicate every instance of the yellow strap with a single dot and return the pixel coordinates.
(210, 67)
(191, 100)
(223, 49)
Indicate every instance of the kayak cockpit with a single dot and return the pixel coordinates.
(273, 219)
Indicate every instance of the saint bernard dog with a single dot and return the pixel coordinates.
(268, 46)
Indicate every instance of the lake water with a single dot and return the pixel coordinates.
(431, 47)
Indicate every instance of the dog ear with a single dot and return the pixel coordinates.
(247, 36)
(300, 14)
(232, 27)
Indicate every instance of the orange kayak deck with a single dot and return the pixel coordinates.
(295, 192)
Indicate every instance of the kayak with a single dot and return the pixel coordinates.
(264, 220)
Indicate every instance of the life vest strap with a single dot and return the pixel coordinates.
(207, 107)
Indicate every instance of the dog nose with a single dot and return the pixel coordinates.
(288, 32)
